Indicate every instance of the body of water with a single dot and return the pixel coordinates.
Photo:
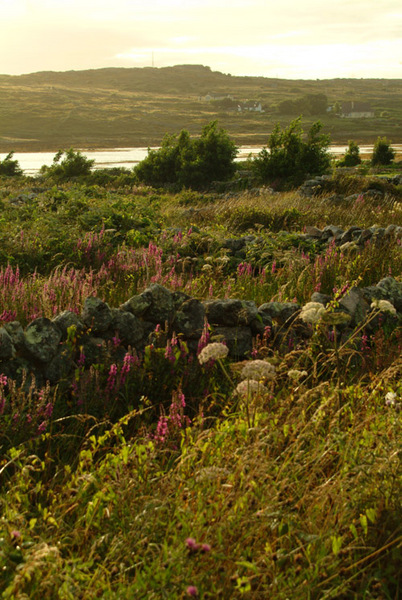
(31, 162)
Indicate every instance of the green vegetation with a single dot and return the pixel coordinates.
(73, 165)
(10, 167)
(351, 157)
(383, 154)
(311, 104)
(288, 159)
(148, 476)
(191, 163)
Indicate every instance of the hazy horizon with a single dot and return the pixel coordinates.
(288, 40)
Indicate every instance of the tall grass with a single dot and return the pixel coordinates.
(155, 475)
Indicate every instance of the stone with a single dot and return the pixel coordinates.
(392, 290)
(190, 319)
(59, 367)
(239, 340)
(350, 235)
(137, 305)
(282, 312)
(68, 319)
(96, 315)
(128, 327)
(93, 349)
(42, 339)
(230, 313)
(355, 305)
(319, 297)
(6, 345)
(313, 232)
(332, 231)
(16, 333)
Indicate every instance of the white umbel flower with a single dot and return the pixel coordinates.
(312, 312)
(258, 369)
(295, 375)
(249, 387)
(384, 306)
(212, 351)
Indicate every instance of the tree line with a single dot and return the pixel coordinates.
(183, 161)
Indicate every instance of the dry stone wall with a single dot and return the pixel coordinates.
(50, 350)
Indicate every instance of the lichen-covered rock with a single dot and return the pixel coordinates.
(162, 306)
(42, 339)
(128, 327)
(23, 372)
(68, 319)
(331, 231)
(16, 333)
(156, 304)
(319, 297)
(137, 305)
(355, 305)
(282, 312)
(6, 345)
(59, 367)
(392, 290)
(350, 235)
(93, 349)
(96, 315)
(190, 319)
(230, 313)
(239, 340)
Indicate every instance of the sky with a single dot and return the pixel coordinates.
(290, 39)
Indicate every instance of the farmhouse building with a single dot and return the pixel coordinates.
(356, 110)
(251, 107)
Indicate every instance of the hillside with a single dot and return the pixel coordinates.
(137, 106)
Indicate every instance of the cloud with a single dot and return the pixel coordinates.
(248, 38)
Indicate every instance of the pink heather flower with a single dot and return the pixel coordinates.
(81, 359)
(192, 591)
(15, 534)
(192, 545)
(182, 399)
(161, 429)
(112, 377)
(205, 548)
(116, 341)
(48, 410)
(128, 362)
(42, 427)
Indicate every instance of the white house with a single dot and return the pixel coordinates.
(251, 107)
(356, 110)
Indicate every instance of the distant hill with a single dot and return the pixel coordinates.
(117, 107)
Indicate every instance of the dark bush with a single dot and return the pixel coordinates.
(288, 159)
(184, 162)
(10, 167)
(73, 165)
(383, 154)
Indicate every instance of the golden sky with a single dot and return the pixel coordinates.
(295, 39)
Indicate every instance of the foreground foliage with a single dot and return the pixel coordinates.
(172, 476)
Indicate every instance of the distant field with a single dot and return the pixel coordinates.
(136, 107)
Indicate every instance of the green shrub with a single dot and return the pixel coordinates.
(10, 167)
(383, 154)
(73, 165)
(190, 163)
(351, 157)
(288, 159)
